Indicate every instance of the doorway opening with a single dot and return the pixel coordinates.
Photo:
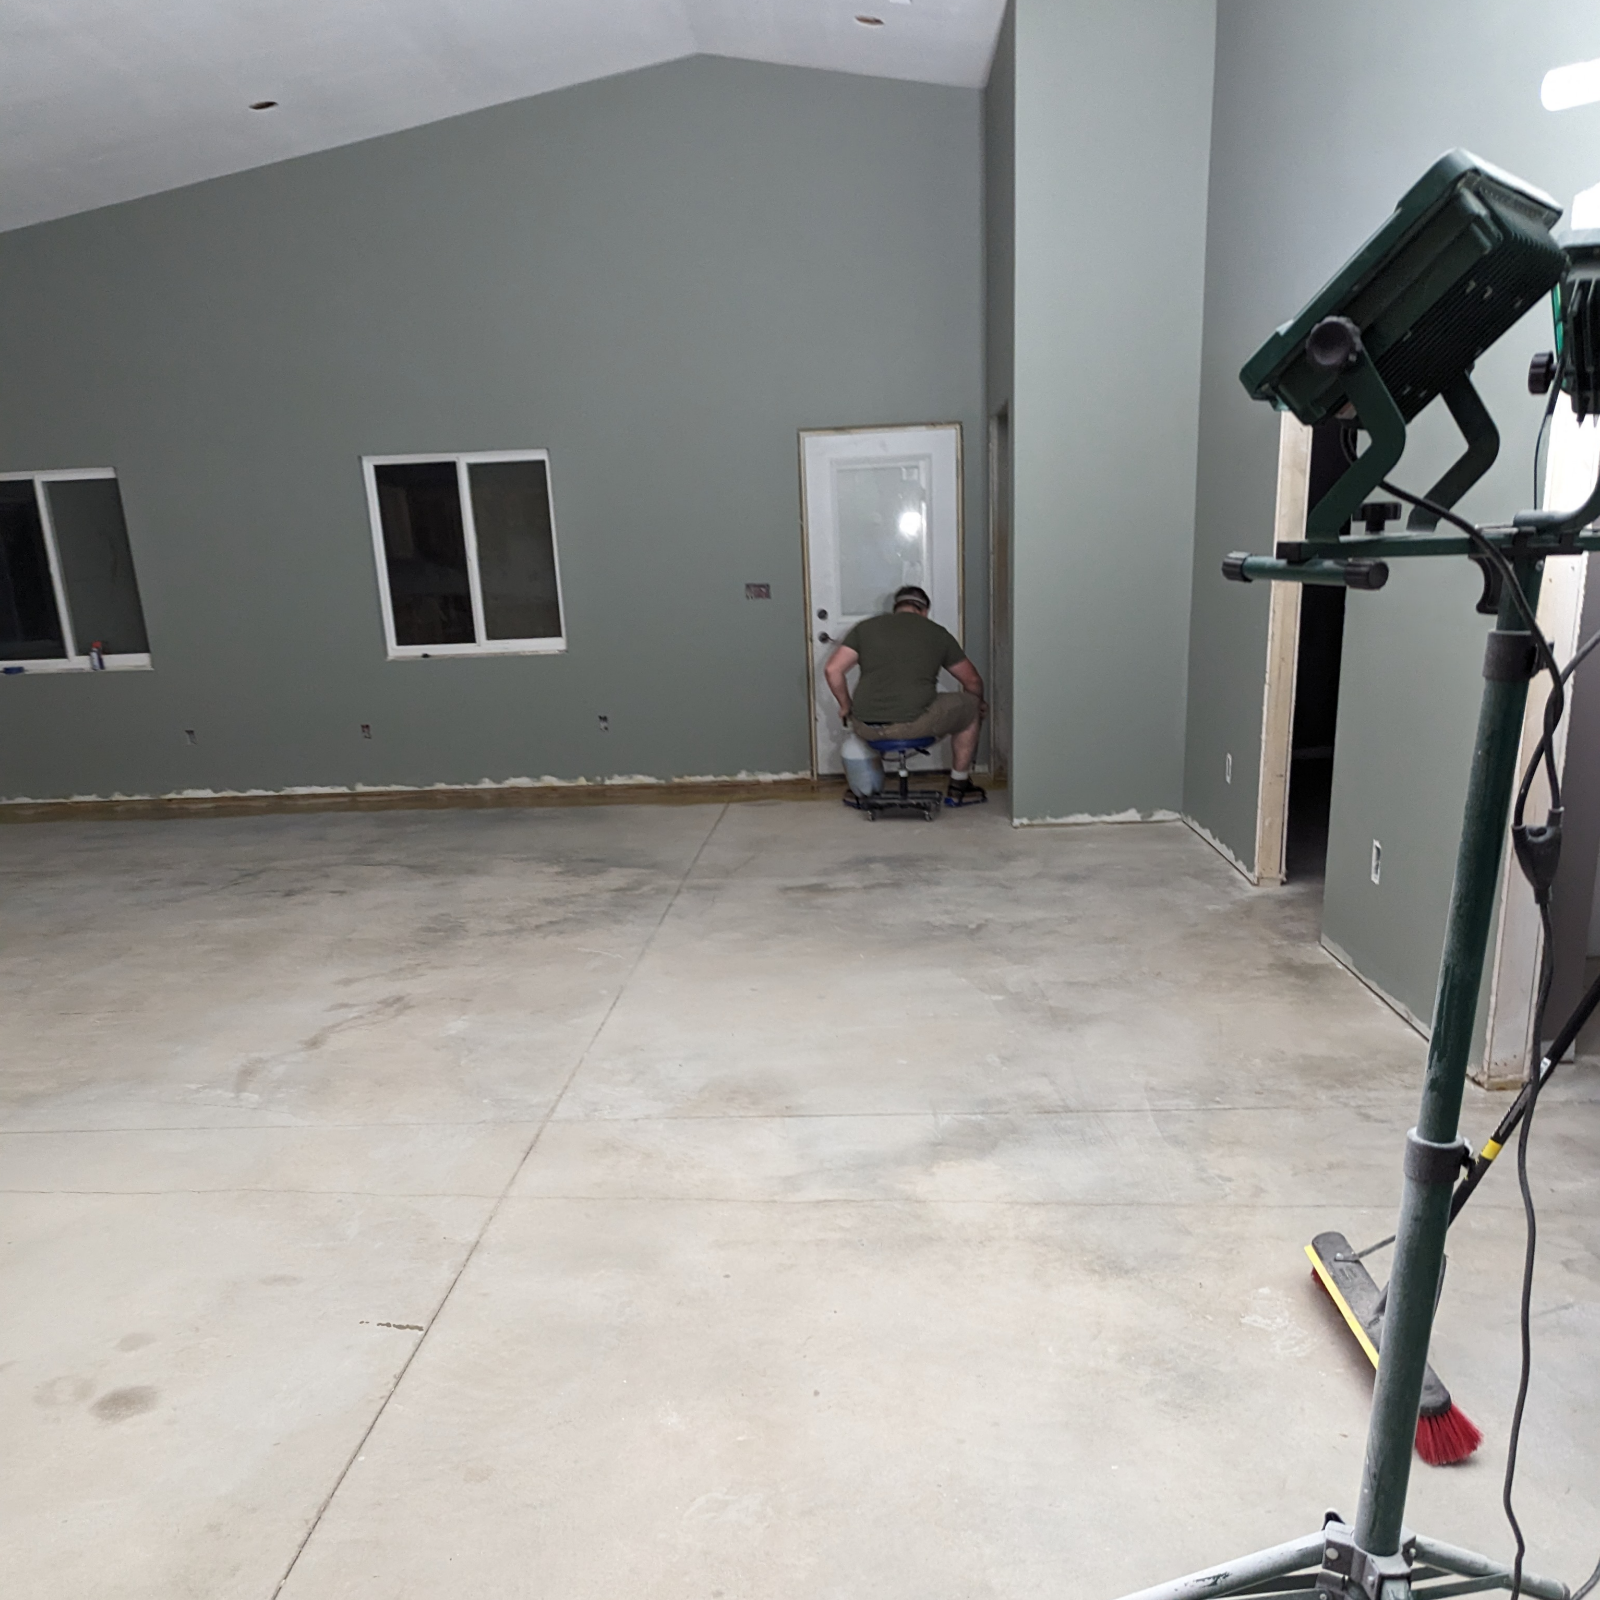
(1318, 655)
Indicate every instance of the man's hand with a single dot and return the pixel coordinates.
(834, 670)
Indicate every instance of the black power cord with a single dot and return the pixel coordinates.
(1538, 443)
(1537, 851)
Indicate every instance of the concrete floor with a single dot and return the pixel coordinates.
(713, 1202)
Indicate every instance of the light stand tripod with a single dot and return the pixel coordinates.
(1466, 251)
(1376, 1556)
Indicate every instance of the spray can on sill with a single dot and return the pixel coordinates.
(97, 657)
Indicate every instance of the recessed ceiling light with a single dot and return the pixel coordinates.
(262, 105)
(870, 22)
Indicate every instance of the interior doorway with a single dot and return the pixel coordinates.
(1318, 654)
(880, 507)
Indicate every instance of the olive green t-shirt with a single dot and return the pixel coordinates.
(901, 654)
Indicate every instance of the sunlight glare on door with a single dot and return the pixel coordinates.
(882, 512)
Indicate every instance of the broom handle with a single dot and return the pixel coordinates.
(1508, 1123)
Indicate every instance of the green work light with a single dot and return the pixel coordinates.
(1461, 258)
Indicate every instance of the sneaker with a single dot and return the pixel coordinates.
(965, 793)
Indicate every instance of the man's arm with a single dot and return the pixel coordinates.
(967, 676)
(837, 665)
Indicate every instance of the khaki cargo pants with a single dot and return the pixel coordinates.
(949, 713)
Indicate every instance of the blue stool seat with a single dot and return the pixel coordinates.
(890, 746)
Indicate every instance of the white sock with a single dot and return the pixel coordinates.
(958, 777)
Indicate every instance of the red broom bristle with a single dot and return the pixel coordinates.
(1450, 1437)
(1443, 1440)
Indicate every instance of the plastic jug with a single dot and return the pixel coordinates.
(862, 769)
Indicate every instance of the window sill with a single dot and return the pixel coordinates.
(19, 669)
(457, 652)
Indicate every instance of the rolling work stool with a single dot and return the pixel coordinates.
(901, 801)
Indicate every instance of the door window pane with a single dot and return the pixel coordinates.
(97, 565)
(882, 518)
(30, 626)
(425, 551)
(516, 549)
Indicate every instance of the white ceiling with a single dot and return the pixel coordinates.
(103, 100)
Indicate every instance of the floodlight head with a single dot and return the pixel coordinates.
(1466, 251)
(1464, 254)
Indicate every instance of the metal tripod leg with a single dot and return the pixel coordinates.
(1296, 1571)
(1377, 1559)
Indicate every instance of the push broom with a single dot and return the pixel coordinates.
(1445, 1433)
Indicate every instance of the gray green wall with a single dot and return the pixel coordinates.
(1323, 119)
(999, 320)
(1112, 132)
(660, 278)
(999, 213)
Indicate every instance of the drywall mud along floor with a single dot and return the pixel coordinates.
(746, 1202)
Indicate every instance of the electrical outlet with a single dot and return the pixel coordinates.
(366, 730)
(1377, 861)
(1227, 767)
(605, 724)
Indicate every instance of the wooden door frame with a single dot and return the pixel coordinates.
(1283, 654)
(999, 517)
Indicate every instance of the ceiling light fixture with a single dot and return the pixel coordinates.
(870, 22)
(263, 105)
(1575, 85)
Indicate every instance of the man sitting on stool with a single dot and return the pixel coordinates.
(897, 696)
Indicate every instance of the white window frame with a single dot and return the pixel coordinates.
(482, 646)
(133, 661)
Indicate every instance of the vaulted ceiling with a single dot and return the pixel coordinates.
(103, 100)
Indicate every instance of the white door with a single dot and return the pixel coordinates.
(881, 508)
